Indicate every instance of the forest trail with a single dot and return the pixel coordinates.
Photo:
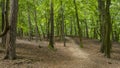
(71, 56)
(19, 41)
(76, 50)
(73, 47)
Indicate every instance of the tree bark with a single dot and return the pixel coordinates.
(3, 21)
(86, 27)
(62, 25)
(101, 6)
(104, 9)
(29, 22)
(11, 35)
(78, 24)
(51, 41)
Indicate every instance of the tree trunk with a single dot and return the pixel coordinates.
(104, 7)
(51, 41)
(86, 27)
(75, 29)
(71, 26)
(108, 29)
(3, 21)
(62, 20)
(29, 23)
(101, 19)
(11, 35)
(78, 25)
(48, 29)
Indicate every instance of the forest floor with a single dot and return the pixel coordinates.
(72, 56)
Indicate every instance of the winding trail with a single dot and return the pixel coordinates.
(73, 47)
(76, 50)
(71, 56)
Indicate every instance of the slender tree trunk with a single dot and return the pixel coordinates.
(48, 29)
(58, 28)
(3, 21)
(65, 27)
(58, 25)
(95, 33)
(11, 35)
(101, 6)
(86, 26)
(51, 41)
(71, 26)
(78, 25)
(29, 23)
(62, 31)
(75, 29)
(42, 29)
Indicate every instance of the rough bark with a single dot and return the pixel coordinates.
(101, 6)
(104, 9)
(11, 35)
(3, 21)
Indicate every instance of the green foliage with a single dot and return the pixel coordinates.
(87, 10)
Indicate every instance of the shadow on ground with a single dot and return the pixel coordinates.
(44, 54)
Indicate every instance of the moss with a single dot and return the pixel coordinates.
(81, 45)
(51, 48)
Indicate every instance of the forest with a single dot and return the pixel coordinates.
(59, 33)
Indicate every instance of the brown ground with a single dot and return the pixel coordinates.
(71, 56)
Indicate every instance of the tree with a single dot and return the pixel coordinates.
(78, 24)
(3, 20)
(51, 41)
(86, 27)
(105, 19)
(29, 21)
(11, 34)
(62, 21)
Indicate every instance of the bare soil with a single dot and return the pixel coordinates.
(30, 55)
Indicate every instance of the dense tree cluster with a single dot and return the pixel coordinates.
(46, 19)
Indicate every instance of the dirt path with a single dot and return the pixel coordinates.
(19, 41)
(76, 51)
(73, 48)
(71, 56)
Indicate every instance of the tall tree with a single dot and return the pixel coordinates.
(5, 11)
(11, 35)
(51, 41)
(3, 21)
(29, 21)
(78, 24)
(105, 18)
(86, 28)
(62, 21)
(5, 26)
